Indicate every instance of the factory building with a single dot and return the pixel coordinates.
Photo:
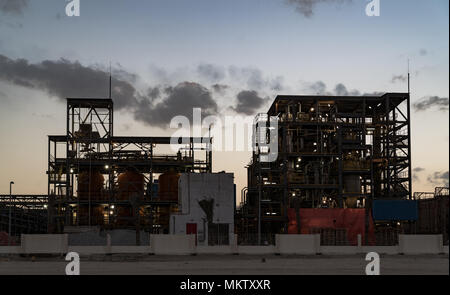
(98, 179)
(342, 169)
(338, 153)
(206, 208)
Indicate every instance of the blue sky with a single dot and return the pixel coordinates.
(337, 44)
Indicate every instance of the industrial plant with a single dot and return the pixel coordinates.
(342, 170)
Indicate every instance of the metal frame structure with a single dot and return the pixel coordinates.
(29, 214)
(89, 144)
(333, 151)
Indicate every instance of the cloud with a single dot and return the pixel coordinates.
(276, 83)
(13, 7)
(398, 78)
(431, 101)
(220, 88)
(180, 100)
(318, 87)
(153, 92)
(254, 79)
(306, 7)
(63, 78)
(341, 90)
(248, 102)
(211, 72)
(423, 52)
(417, 170)
(439, 178)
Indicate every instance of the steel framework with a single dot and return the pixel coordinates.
(89, 145)
(333, 151)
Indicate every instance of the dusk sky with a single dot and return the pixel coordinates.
(237, 55)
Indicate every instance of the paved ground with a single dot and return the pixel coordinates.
(228, 265)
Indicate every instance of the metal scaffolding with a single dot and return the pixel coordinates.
(89, 146)
(333, 152)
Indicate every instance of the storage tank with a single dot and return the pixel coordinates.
(168, 186)
(130, 183)
(90, 184)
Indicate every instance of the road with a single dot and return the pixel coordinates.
(227, 265)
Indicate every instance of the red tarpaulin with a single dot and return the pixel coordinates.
(333, 218)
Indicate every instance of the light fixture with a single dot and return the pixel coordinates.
(299, 159)
(312, 109)
(293, 194)
(111, 212)
(106, 166)
(112, 206)
(71, 170)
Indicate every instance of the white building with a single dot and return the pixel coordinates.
(207, 205)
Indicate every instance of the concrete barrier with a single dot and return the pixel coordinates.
(10, 250)
(44, 244)
(172, 244)
(420, 244)
(390, 250)
(340, 250)
(297, 244)
(90, 250)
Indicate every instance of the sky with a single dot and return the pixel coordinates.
(231, 57)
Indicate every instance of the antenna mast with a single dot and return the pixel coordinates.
(110, 80)
(408, 78)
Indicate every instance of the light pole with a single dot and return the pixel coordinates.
(10, 204)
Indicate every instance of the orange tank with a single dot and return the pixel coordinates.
(130, 183)
(90, 184)
(168, 186)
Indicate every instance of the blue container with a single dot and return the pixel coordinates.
(394, 210)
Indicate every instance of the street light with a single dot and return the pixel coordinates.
(10, 204)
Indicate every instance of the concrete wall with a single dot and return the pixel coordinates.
(420, 244)
(44, 244)
(297, 244)
(204, 186)
(172, 244)
(185, 245)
